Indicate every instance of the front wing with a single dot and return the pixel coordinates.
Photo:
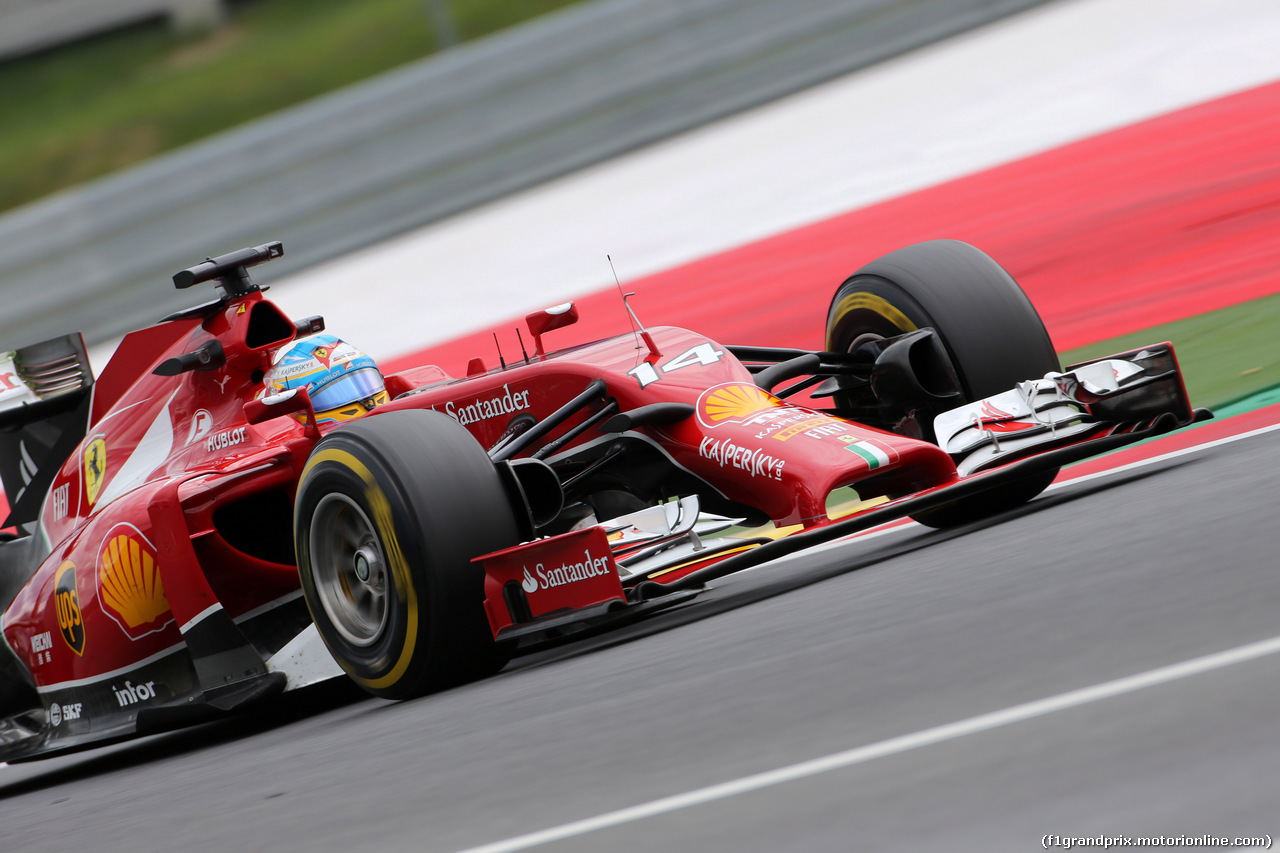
(590, 578)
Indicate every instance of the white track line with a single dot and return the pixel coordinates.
(907, 524)
(1028, 83)
(892, 746)
(1164, 457)
(1025, 84)
(926, 737)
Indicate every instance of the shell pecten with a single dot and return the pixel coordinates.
(734, 403)
(130, 587)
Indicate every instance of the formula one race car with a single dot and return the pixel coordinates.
(236, 483)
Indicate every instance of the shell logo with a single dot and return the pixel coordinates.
(130, 588)
(735, 402)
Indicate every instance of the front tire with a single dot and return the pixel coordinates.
(989, 328)
(389, 513)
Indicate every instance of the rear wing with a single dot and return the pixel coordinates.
(45, 390)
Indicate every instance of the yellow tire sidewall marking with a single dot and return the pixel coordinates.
(382, 520)
(863, 301)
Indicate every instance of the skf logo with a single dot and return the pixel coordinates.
(130, 587)
(70, 624)
(95, 467)
(58, 713)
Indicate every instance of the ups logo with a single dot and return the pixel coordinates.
(70, 624)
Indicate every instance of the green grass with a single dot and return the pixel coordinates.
(1225, 355)
(85, 110)
(88, 109)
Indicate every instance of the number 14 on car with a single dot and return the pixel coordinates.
(705, 353)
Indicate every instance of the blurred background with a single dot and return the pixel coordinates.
(140, 136)
(435, 168)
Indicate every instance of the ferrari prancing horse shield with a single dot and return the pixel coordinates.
(95, 467)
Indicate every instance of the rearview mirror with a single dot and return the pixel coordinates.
(555, 317)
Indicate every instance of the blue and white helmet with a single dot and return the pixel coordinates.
(343, 382)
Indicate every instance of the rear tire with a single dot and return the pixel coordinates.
(989, 328)
(389, 513)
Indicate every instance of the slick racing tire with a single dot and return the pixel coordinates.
(989, 328)
(390, 511)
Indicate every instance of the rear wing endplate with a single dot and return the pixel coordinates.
(44, 410)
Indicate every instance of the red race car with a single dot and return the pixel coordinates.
(236, 483)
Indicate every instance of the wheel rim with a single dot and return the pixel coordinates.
(863, 338)
(349, 570)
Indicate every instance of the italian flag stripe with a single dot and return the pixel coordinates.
(874, 456)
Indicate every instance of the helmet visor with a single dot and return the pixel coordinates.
(346, 389)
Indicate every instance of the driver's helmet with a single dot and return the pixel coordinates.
(343, 382)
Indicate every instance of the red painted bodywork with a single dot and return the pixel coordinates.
(571, 571)
(146, 527)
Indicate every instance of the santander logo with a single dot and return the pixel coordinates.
(565, 573)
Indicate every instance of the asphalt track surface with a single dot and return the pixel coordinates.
(852, 646)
